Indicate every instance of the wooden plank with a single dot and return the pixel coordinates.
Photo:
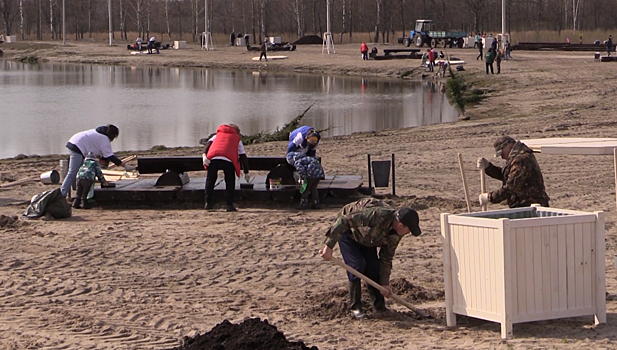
(529, 272)
(493, 246)
(512, 242)
(23, 181)
(546, 270)
(447, 269)
(587, 271)
(562, 257)
(578, 265)
(506, 288)
(123, 160)
(521, 271)
(600, 272)
(570, 261)
(159, 165)
(536, 233)
(483, 271)
(554, 268)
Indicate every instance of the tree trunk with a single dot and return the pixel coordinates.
(179, 19)
(51, 19)
(167, 20)
(378, 24)
(344, 21)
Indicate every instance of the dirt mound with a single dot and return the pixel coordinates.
(445, 205)
(8, 221)
(414, 293)
(251, 334)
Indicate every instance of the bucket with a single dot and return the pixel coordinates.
(50, 177)
(597, 56)
(64, 168)
(275, 184)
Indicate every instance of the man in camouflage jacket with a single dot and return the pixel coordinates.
(360, 228)
(521, 177)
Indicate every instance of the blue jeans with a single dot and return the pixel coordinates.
(75, 162)
(361, 258)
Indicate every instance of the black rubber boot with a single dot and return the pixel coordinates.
(77, 203)
(355, 299)
(379, 303)
(304, 204)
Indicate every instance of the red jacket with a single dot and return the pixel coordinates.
(363, 47)
(431, 55)
(225, 144)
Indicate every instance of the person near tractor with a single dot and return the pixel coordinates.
(301, 152)
(364, 51)
(98, 141)
(522, 181)
(488, 60)
(224, 151)
(86, 175)
(360, 228)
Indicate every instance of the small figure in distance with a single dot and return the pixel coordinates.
(364, 51)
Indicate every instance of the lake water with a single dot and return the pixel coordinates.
(44, 104)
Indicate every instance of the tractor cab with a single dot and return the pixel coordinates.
(424, 25)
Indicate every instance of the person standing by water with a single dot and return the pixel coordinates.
(224, 151)
(98, 141)
(480, 46)
(262, 49)
(609, 45)
(364, 51)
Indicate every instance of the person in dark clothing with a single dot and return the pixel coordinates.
(262, 50)
(246, 40)
(522, 181)
(232, 39)
(301, 154)
(360, 228)
(494, 44)
(480, 46)
(498, 60)
(609, 45)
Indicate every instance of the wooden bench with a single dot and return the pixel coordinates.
(389, 51)
(173, 169)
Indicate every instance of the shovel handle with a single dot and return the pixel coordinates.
(396, 298)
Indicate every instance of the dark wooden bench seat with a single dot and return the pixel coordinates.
(389, 51)
(159, 165)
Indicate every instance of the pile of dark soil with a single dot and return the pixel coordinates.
(251, 334)
(8, 221)
(415, 293)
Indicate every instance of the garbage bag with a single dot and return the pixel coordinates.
(52, 202)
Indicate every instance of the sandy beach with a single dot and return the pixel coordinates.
(145, 278)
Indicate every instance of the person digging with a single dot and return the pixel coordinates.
(522, 181)
(360, 228)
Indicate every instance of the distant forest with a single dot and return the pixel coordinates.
(384, 19)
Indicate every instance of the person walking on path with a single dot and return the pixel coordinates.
(522, 181)
(609, 45)
(488, 60)
(88, 172)
(224, 151)
(498, 60)
(359, 229)
(480, 46)
(301, 152)
(364, 51)
(262, 49)
(98, 141)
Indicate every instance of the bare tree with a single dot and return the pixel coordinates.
(7, 7)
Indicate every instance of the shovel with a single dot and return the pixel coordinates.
(380, 288)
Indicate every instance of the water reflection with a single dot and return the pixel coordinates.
(44, 104)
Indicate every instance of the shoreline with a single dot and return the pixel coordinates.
(145, 278)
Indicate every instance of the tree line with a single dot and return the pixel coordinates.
(383, 19)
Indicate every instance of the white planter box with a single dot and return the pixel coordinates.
(275, 40)
(522, 265)
(10, 39)
(178, 45)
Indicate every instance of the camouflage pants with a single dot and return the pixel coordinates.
(307, 167)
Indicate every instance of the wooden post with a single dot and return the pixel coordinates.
(460, 163)
(483, 186)
(370, 183)
(393, 177)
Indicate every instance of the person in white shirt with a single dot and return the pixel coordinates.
(97, 141)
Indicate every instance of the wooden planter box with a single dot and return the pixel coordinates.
(526, 264)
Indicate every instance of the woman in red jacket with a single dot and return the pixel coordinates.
(224, 151)
(364, 50)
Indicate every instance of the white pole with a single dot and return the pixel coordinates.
(503, 20)
(111, 29)
(63, 23)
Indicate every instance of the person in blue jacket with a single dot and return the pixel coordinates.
(301, 152)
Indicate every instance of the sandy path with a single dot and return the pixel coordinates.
(142, 279)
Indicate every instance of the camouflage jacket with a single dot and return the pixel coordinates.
(89, 170)
(369, 222)
(522, 180)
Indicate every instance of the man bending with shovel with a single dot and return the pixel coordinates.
(360, 228)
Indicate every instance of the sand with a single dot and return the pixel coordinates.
(144, 279)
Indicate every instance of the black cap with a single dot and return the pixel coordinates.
(502, 142)
(409, 217)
